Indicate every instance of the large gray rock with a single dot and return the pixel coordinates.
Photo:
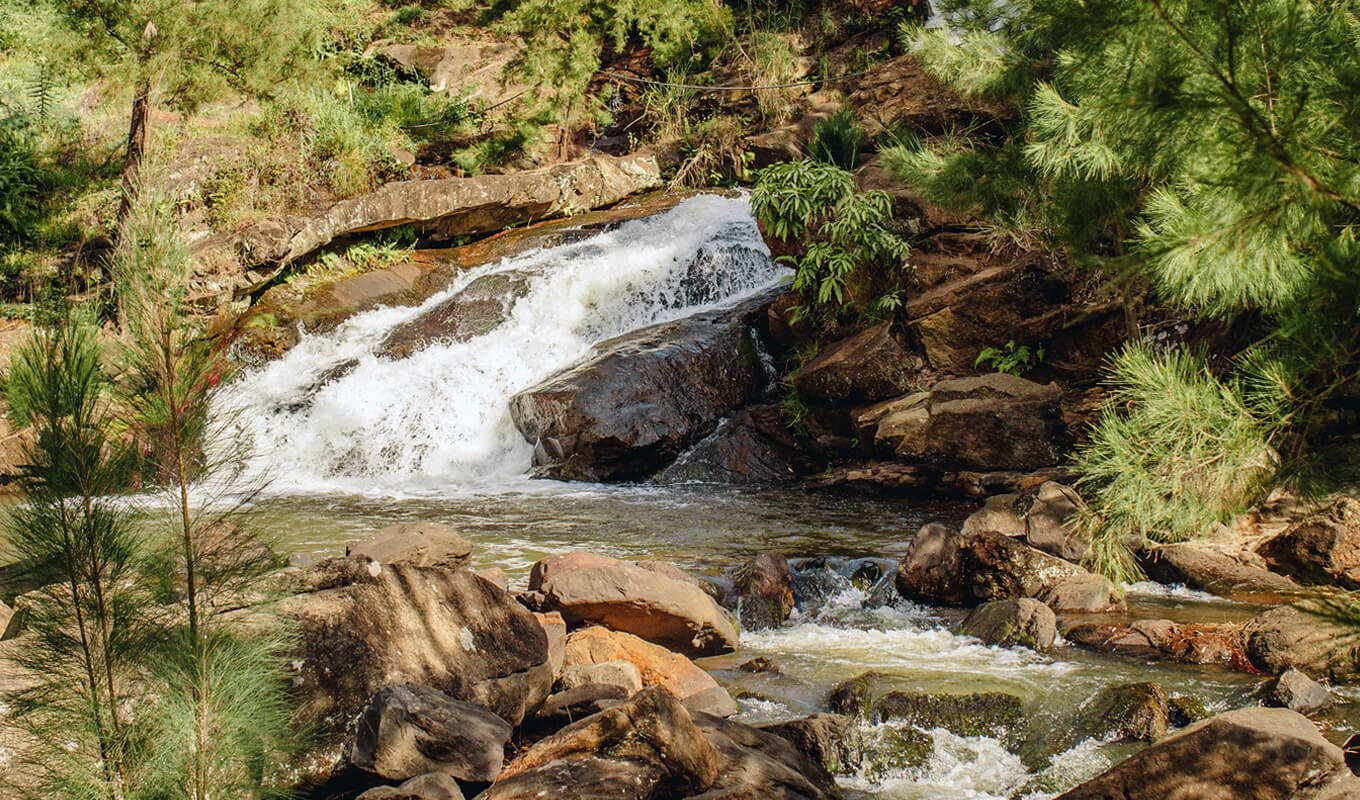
(409, 730)
(1020, 621)
(1251, 754)
(420, 544)
(638, 400)
(1298, 692)
(1050, 522)
(653, 606)
(362, 626)
(864, 368)
(762, 592)
(1322, 549)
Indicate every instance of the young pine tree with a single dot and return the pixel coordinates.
(90, 630)
(222, 720)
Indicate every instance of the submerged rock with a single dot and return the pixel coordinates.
(1138, 711)
(1021, 621)
(409, 730)
(870, 695)
(1249, 754)
(1322, 549)
(420, 544)
(640, 399)
(762, 592)
(475, 310)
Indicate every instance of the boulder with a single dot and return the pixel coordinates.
(409, 730)
(762, 592)
(421, 544)
(638, 400)
(1209, 571)
(751, 447)
(1084, 594)
(760, 664)
(831, 740)
(546, 568)
(432, 786)
(1019, 621)
(657, 665)
(1050, 522)
(1251, 754)
(932, 571)
(976, 714)
(556, 629)
(1136, 711)
(1285, 638)
(1000, 567)
(443, 209)
(363, 626)
(652, 726)
(569, 705)
(620, 673)
(660, 609)
(864, 368)
(587, 777)
(757, 764)
(1298, 692)
(475, 310)
(988, 422)
(888, 424)
(1321, 549)
(998, 513)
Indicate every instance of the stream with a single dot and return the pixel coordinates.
(345, 441)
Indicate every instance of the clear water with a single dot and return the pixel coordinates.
(430, 438)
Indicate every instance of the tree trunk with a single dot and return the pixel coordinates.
(136, 149)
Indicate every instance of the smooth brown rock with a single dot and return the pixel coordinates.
(752, 446)
(420, 544)
(762, 592)
(1050, 522)
(1298, 692)
(932, 569)
(1201, 568)
(630, 407)
(620, 673)
(660, 609)
(864, 368)
(556, 629)
(409, 730)
(999, 514)
(587, 778)
(546, 568)
(651, 726)
(1322, 549)
(1019, 621)
(657, 665)
(1084, 594)
(1285, 638)
(989, 422)
(831, 740)
(1251, 754)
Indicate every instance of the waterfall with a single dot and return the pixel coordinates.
(333, 414)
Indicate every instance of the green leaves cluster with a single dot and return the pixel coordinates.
(844, 232)
(1224, 140)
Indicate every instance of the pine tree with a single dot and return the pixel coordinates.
(1221, 144)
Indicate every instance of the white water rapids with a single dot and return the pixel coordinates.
(438, 420)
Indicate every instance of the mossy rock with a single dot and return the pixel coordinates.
(977, 714)
(1183, 710)
(1135, 712)
(895, 749)
(855, 697)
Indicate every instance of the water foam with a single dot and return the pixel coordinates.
(438, 420)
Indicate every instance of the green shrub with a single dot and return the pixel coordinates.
(838, 139)
(1011, 359)
(21, 177)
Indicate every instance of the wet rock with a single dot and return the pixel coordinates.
(1084, 594)
(1298, 692)
(831, 740)
(442, 209)
(366, 626)
(1241, 755)
(1322, 549)
(473, 311)
(759, 664)
(420, 544)
(1136, 711)
(1199, 568)
(1193, 643)
(1183, 710)
(657, 665)
(864, 368)
(409, 730)
(1020, 621)
(999, 513)
(932, 571)
(814, 582)
(989, 422)
(431, 786)
(762, 592)
(660, 609)
(569, 705)
(1285, 638)
(1000, 567)
(855, 697)
(588, 777)
(620, 673)
(751, 447)
(757, 764)
(977, 714)
(652, 727)
(640, 399)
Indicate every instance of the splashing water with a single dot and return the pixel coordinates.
(438, 420)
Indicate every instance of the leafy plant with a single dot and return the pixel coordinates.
(1011, 359)
(838, 139)
(844, 232)
(21, 177)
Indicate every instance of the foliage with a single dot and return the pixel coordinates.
(90, 629)
(715, 155)
(772, 62)
(1225, 143)
(21, 177)
(1011, 359)
(845, 230)
(838, 139)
